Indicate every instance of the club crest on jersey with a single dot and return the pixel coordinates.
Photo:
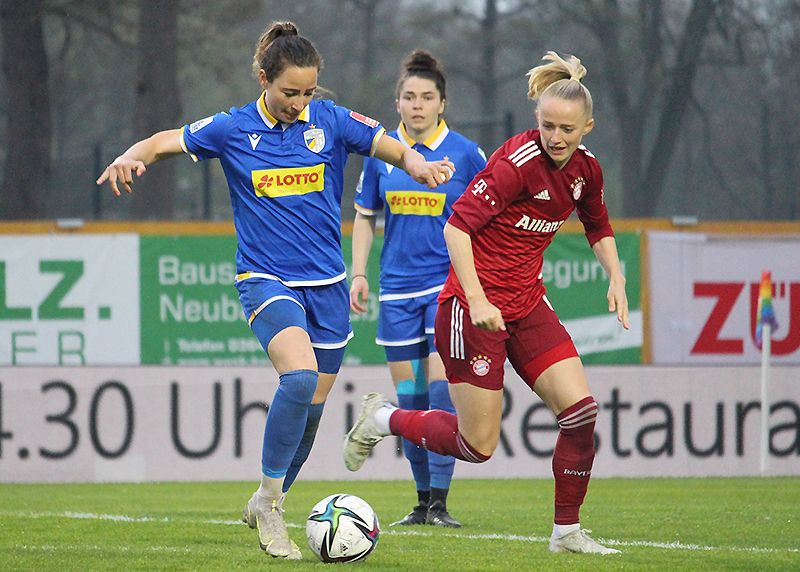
(315, 139)
(577, 188)
(480, 365)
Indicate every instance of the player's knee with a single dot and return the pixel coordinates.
(482, 437)
(582, 414)
(487, 448)
(476, 451)
(298, 385)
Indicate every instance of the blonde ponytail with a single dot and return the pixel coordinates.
(559, 78)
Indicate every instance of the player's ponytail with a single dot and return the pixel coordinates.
(559, 78)
(281, 45)
(420, 63)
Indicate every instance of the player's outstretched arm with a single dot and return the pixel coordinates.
(430, 173)
(160, 146)
(605, 250)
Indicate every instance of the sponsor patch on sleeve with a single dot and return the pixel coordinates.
(200, 123)
(363, 119)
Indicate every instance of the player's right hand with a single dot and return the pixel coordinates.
(486, 316)
(429, 173)
(359, 294)
(121, 172)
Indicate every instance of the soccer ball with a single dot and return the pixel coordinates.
(342, 528)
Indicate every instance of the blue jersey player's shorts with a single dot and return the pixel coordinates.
(406, 325)
(323, 311)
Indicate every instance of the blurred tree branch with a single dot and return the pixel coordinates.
(29, 126)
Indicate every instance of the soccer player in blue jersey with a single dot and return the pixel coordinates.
(284, 156)
(414, 264)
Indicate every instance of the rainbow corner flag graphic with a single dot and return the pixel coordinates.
(765, 312)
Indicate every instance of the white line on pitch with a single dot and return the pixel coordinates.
(96, 548)
(392, 532)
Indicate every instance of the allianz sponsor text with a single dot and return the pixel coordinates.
(538, 225)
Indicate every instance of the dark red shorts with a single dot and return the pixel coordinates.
(475, 356)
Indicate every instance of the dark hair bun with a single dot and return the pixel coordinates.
(421, 61)
(283, 29)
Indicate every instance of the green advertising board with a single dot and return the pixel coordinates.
(190, 308)
(577, 287)
(190, 312)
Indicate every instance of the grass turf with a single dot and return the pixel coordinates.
(659, 524)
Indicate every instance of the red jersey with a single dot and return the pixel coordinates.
(512, 210)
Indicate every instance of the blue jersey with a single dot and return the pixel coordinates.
(285, 183)
(414, 258)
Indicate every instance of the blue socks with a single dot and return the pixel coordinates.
(300, 456)
(414, 395)
(440, 466)
(430, 470)
(286, 421)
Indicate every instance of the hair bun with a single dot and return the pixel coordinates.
(420, 60)
(284, 29)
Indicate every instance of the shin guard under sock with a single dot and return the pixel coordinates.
(415, 397)
(440, 466)
(304, 448)
(435, 430)
(573, 458)
(286, 420)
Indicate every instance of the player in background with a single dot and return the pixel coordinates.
(414, 264)
(284, 157)
(493, 305)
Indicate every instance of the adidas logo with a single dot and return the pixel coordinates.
(543, 195)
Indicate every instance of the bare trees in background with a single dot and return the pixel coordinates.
(696, 99)
(487, 44)
(45, 109)
(368, 10)
(28, 134)
(780, 117)
(158, 102)
(650, 59)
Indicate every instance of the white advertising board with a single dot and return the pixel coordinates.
(704, 293)
(69, 300)
(183, 423)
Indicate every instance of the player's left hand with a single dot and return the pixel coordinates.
(359, 294)
(618, 301)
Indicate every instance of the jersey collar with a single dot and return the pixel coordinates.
(432, 142)
(267, 117)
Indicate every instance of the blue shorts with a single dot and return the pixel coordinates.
(406, 325)
(323, 311)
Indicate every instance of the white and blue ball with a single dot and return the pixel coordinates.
(342, 528)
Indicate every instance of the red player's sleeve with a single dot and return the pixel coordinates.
(489, 193)
(592, 210)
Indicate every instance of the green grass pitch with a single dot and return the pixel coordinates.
(659, 524)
